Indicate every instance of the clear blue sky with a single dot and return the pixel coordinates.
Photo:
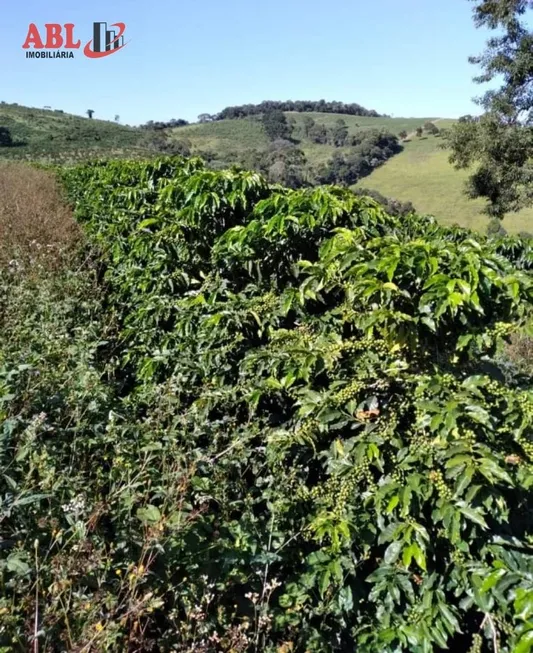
(406, 58)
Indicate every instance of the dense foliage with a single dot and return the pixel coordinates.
(392, 206)
(158, 125)
(6, 140)
(499, 146)
(284, 435)
(370, 149)
(302, 106)
(275, 125)
(284, 160)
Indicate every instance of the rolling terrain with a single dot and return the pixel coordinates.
(228, 136)
(50, 134)
(423, 175)
(420, 174)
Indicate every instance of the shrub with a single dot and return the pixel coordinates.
(392, 206)
(495, 228)
(6, 139)
(298, 447)
(431, 128)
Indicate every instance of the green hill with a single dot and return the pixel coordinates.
(420, 174)
(225, 137)
(423, 175)
(43, 133)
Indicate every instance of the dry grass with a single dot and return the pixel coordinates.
(520, 351)
(35, 223)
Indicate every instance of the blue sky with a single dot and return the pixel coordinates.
(406, 58)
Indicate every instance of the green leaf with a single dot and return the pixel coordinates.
(525, 643)
(392, 552)
(419, 556)
(17, 565)
(392, 504)
(407, 555)
(474, 516)
(492, 579)
(148, 222)
(149, 514)
(449, 618)
(523, 604)
(464, 480)
(325, 582)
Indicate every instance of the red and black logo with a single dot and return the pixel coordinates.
(60, 43)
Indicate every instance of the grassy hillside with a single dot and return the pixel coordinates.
(227, 136)
(42, 132)
(422, 174)
(356, 123)
(224, 136)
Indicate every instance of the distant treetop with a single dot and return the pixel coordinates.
(179, 122)
(302, 106)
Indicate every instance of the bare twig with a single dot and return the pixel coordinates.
(494, 632)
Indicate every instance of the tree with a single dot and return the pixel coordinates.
(500, 143)
(318, 133)
(373, 148)
(339, 133)
(282, 163)
(403, 134)
(205, 117)
(6, 139)
(90, 112)
(419, 131)
(309, 123)
(275, 125)
(117, 118)
(321, 106)
(391, 205)
(163, 143)
(431, 128)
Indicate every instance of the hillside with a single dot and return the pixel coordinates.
(422, 175)
(228, 136)
(419, 174)
(38, 133)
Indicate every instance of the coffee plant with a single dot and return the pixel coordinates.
(292, 436)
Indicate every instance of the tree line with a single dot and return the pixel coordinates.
(300, 106)
(268, 106)
(159, 125)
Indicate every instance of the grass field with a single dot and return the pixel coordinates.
(422, 174)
